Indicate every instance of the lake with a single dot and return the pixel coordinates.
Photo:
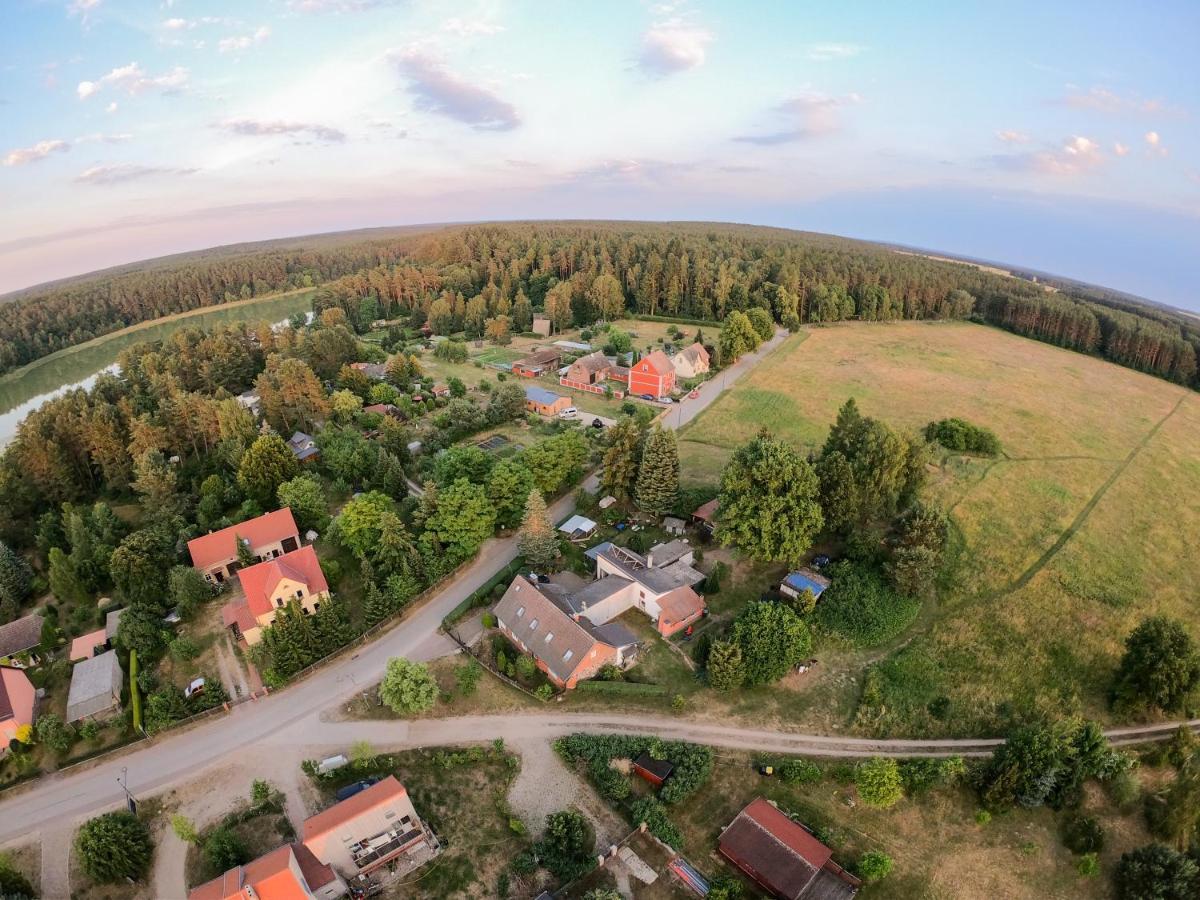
(23, 391)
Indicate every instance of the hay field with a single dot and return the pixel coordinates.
(1083, 528)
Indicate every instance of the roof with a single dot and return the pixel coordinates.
(707, 512)
(16, 696)
(541, 358)
(593, 362)
(541, 395)
(112, 622)
(525, 603)
(681, 573)
(614, 634)
(572, 345)
(680, 604)
(95, 685)
(597, 550)
(259, 581)
(577, 523)
(806, 580)
(221, 546)
(658, 361)
(695, 353)
(634, 567)
(665, 554)
(659, 768)
(237, 612)
(781, 853)
(20, 635)
(303, 445)
(383, 409)
(84, 646)
(594, 592)
(382, 792)
(270, 877)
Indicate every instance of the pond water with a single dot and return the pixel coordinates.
(25, 390)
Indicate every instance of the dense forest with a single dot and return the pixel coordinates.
(458, 278)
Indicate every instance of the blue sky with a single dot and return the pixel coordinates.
(1056, 136)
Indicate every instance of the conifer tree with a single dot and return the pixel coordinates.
(376, 605)
(658, 474)
(621, 461)
(536, 540)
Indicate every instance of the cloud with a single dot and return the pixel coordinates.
(243, 42)
(673, 46)
(808, 115)
(83, 8)
(830, 52)
(267, 128)
(40, 150)
(100, 137)
(177, 24)
(438, 90)
(1076, 154)
(111, 108)
(471, 27)
(338, 6)
(1012, 137)
(1102, 99)
(120, 173)
(133, 80)
(1120, 149)
(1154, 144)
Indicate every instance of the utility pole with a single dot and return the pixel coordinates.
(130, 800)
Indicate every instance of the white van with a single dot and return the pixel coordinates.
(569, 413)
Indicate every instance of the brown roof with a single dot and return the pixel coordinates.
(237, 612)
(779, 853)
(680, 603)
(222, 545)
(523, 604)
(541, 358)
(707, 512)
(270, 877)
(301, 566)
(385, 791)
(695, 353)
(593, 362)
(20, 635)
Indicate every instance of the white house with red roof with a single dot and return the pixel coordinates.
(653, 374)
(215, 554)
(270, 586)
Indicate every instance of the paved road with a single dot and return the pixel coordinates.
(179, 757)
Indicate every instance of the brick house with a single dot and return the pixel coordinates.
(653, 375)
(290, 872)
(543, 402)
(536, 364)
(269, 587)
(215, 555)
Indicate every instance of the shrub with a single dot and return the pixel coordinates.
(800, 771)
(113, 847)
(224, 850)
(878, 782)
(1155, 872)
(54, 733)
(12, 883)
(566, 845)
(526, 666)
(874, 865)
(184, 828)
(861, 607)
(962, 436)
(982, 817)
(654, 814)
(1083, 834)
(726, 887)
(490, 620)
(1089, 865)
(260, 791)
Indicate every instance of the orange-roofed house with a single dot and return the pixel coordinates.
(270, 586)
(290, 872)
(215, 555)
(653, 375)
(17, 702)
(374, 827)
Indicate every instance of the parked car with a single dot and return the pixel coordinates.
(649, 397)
(596, 423)
(196, 687)
(820, 561)
(330, 763)
(350, 790)
(569, 413)
(694, 394)
(665, 399)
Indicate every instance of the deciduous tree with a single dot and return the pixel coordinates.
(407, 687)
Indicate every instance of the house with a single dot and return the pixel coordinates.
(672, 525)
(86, 645)
(783, 857)
(706, 515)
(567, 646)
(655, 771)
(592, 373)
(653, 374)
(385, 409)
(18, 700)
(796, 583)
(290, 872)
(303, 446)
(660, 585)
(270, 586)
(545, 403)
(441, 390)
(375, 827)
(249, 400)
(215, 555)
(578, 527)
(21, 635)
(691, 361)
(95, 688)
(536, 364)
(374, 371)
(541, 325)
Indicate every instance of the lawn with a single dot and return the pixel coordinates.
(1066, 542)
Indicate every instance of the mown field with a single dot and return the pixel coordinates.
(1080, 530)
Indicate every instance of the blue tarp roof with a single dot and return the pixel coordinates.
(541, 395)
(809, 581)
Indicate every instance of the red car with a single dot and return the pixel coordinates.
(694, 395)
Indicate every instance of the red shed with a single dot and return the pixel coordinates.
(655, 771)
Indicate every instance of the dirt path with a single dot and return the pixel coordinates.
(56, 860)
(233, 676)
(170, 862)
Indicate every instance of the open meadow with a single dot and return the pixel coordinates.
(1062, 545)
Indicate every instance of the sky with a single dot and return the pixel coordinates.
(1063, 137)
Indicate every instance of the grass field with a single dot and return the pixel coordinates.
(1081, 529)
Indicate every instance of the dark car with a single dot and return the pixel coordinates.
(649, 397)
(351, 789)
(820, 561)
(596, 423)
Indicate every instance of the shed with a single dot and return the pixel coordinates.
(578, 527)
(20, 635)
(655, 771)
(112, 622)
(672, 525)
(796, 583)
(86, 645)
(95, 687)
(606, 502)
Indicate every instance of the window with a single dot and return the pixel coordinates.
(299, 595)
(316, 606)
(279, 601)
(533, 625)
(390, 814)
(549, 636)
(520, 612)
(567, 656)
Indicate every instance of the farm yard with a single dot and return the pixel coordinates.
(1061, 545)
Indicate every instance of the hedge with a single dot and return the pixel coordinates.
(620, 687)
(135, 695)
(484, 594)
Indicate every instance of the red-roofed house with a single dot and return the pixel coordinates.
(268, 536)
(290, 872)
(17, 701)
(374, 827)
(86, 645)
(272, 585)
(653, 375)
(783, 857)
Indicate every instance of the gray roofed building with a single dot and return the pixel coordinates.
(662, 555)
(20, 635)
(597, 550)
(112, 622)
(634, 567)
(303, 446)
(95, 687)
(541, 627)
(616, 634)
(594, 592)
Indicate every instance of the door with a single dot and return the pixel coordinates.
(289, 544)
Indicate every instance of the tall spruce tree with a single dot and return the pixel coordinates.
(536, 539)
(621, 461)
(657, 486)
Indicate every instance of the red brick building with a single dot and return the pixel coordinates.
(653, 375)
